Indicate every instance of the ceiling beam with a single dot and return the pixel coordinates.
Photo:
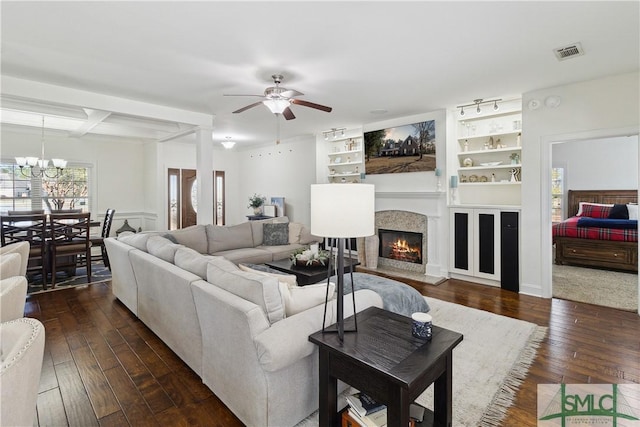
(13, 86)
(94, 118)
(179, 134)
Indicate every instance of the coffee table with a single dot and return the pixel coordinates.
(308, 275)
(385, 361)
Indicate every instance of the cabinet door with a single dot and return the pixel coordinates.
(462, 241)
(486, 245)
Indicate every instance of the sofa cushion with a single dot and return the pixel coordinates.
(194, 237)
(289, 279)
(295, 228)
(301, 298)
(281, 251)
(192, 261)
(162, 248)
(223, 238)
(275, 234)
(260, 290)
(248, 255)
(137, 240)
(256, 227)
(307, 238)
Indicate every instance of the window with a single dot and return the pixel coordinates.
(20, 191)
(557, 194)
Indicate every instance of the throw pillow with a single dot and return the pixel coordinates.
(300, 298)
(633, 211)
(162, 248)
(594, 210)
(295, 228)
(275, 234)
(289, 279)
(619, 211)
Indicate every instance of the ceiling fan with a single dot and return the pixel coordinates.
(278, 99)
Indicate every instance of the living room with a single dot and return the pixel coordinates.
(599, 99)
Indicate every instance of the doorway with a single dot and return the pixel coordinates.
(599, 163)
(182, 198)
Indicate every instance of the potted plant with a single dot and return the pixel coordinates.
(308, 258)
(256, 202)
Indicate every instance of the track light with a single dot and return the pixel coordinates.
(477, 103)
(334, 132)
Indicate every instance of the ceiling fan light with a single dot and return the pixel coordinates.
(228, 144)
(276, 106)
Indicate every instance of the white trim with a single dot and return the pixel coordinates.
(546, 142)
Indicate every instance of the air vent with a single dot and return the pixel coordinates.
(570, 51)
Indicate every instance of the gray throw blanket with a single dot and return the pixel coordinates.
(396, 296)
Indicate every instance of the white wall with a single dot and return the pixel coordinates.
(116, 166)
(284, 170)
(592, 109)
(598, 164)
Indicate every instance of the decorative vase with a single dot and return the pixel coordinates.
(362, 258)
(371, 249)
(257, 211)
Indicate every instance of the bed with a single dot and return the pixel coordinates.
(584, 239)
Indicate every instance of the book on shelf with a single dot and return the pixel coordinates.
(363, 404)
(376, 419)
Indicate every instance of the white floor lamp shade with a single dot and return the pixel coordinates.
(342, 211)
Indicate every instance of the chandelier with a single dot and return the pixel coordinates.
(39, 167)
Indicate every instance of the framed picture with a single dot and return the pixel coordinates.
(269, 210)
(279, 203)
(400, 149)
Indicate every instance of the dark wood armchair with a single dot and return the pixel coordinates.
(70, 243)
(32, 229)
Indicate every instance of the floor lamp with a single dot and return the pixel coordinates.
(342, 211)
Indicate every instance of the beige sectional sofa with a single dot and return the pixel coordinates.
(229, 325)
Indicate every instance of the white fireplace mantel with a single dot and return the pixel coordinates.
(429, 203)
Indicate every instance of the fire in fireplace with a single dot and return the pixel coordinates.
(400, 245)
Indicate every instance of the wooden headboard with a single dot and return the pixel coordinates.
(599, 196)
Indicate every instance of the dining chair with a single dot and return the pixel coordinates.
(99, 241)
(31, 212)
(31, 229)
(70, 243)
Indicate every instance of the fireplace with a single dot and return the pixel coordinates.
(405, 246)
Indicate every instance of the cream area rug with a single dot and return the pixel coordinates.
(593, 286)
(488, 365)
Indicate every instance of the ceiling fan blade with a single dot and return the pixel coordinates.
(255, 104)
(290, 93)
(311, 104)
(288, 114)
(238, 94)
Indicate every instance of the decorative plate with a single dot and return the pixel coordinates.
(483, 178)
(491, 164)
(473, 178)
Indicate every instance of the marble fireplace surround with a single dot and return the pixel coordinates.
(419, 212)
(403, 221)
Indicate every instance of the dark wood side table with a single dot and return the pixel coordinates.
(384, 360)
(308, 275)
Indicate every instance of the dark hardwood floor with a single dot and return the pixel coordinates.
(102, 366)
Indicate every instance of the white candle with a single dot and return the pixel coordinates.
(314, 248)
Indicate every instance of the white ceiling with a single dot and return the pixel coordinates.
(403, 57)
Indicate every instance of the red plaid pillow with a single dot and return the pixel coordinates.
(595, 211)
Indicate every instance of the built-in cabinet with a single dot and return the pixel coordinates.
(484, 245)
(345, 162)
